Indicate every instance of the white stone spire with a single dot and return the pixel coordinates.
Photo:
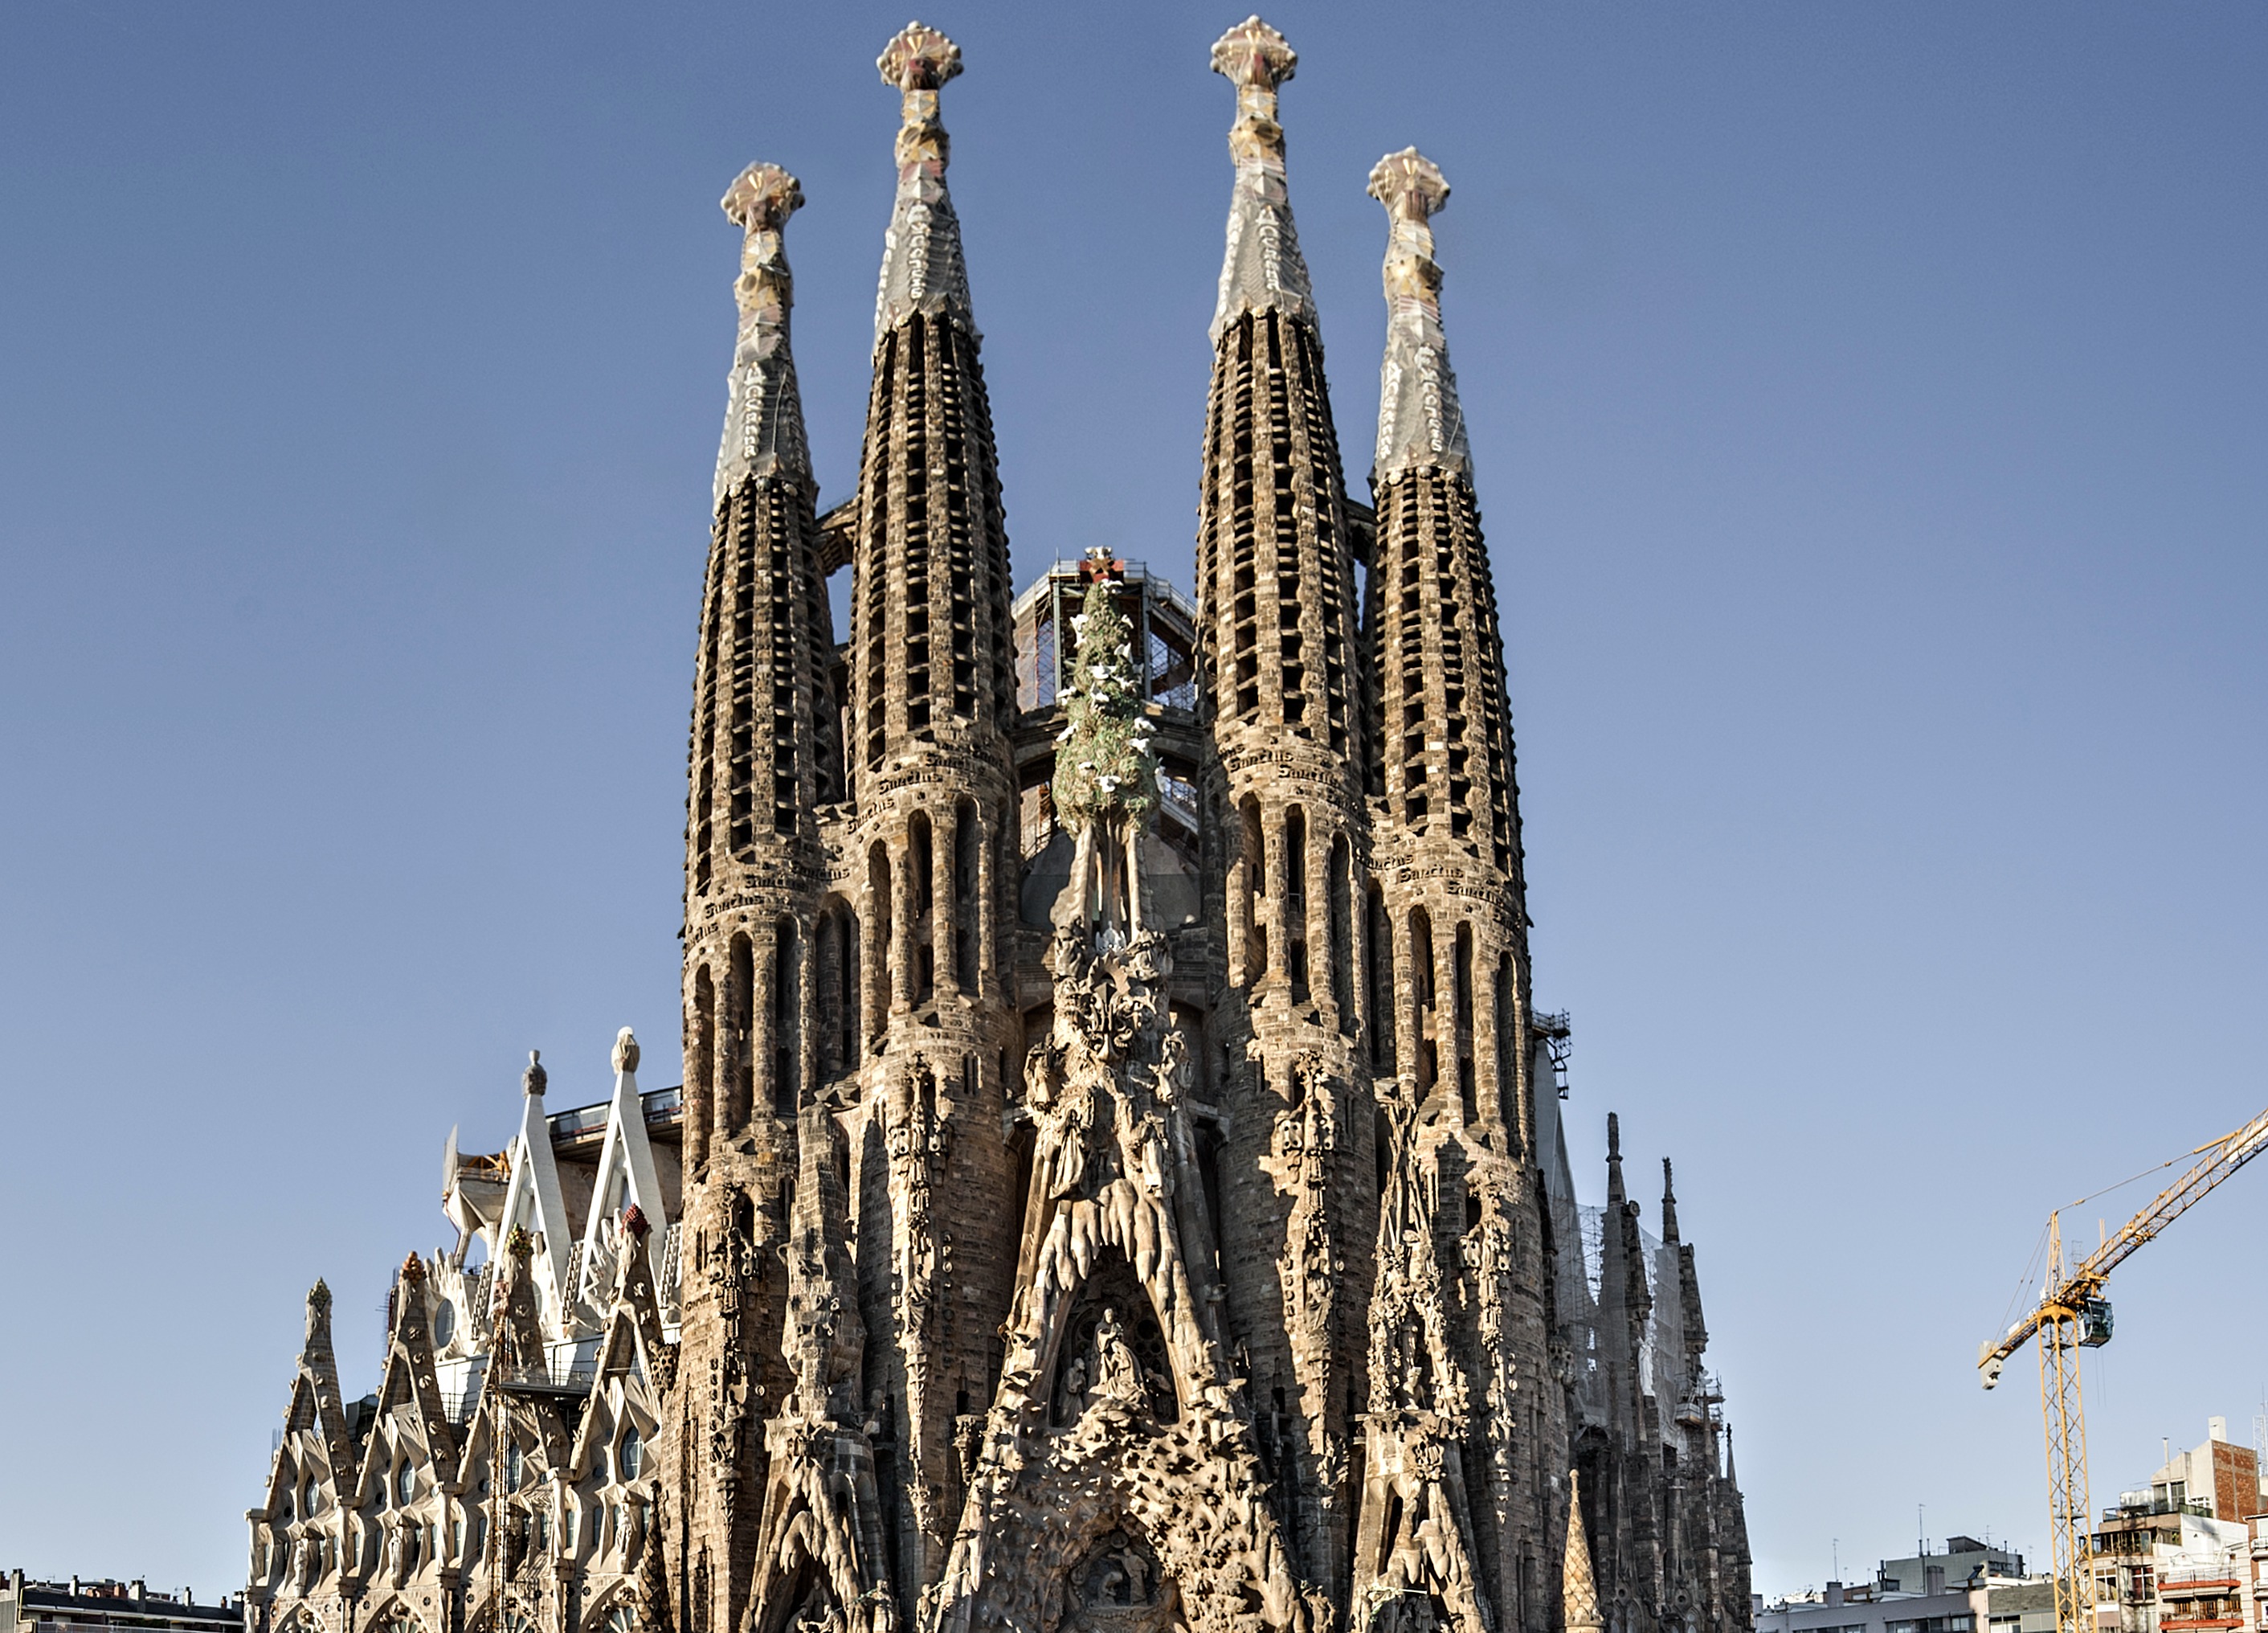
(763, 411)
(1419, 420)
(922, 271)
(1263, 268)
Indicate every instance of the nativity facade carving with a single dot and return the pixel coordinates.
(1118, 1179)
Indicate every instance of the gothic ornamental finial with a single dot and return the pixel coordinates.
(1420, 421)
(1263, 269)
(626, 1051)
(922, 267)
(763, 411)
(533, 1080)
(919, 58)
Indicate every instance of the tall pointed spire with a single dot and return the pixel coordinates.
(931, 592)
(1419, 420)
(1669, 1206)
(1444, 761)
(1280, 688)
(922, 267)
(1579, 1592)
(763, 412)
(1263, 269)
(1616, 1193)
(930, 672)
(1445, 848)
(763, 752)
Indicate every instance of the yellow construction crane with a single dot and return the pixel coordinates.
(2072, 1315)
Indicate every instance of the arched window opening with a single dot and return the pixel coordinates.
(967, 833)
(1341, 951)
(1421, 987)
(1255, 861)
(1209, 1142)
(701, 1079)
(1295, 901)
(877, 938)
(921, 863)
(787, 1017)
(739, 1064)
(1507, 1065)
(1467, 1091)
(1379, 960)
(826, 992)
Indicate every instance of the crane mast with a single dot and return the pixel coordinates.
(2071, 1315)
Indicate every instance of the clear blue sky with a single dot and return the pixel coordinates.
(1868, 403)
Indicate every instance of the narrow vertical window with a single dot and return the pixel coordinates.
(787, 1017)
(1380, 961)
(1256, 892)
(740, 1061)
(1341, 952)
(700, 1076)
(1421, 990)
(1467, 1093)
(921, 863)
(1295, 901)
(966, 835)
(878, 937)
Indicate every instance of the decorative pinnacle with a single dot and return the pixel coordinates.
(413, 1268)
(1419, 419)
(533, 1080)
(1255, 59)
(759, 203)
(1253, 54)
(1262, 270)
(919, 58)
(626, 1051)
(763, 413)
(916, 64)
(1409, 184)
(922, 267)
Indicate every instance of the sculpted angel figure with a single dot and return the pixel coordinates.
(1063, 1118)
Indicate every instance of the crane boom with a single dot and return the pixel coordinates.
(2215, 1163)
(2072, 1315)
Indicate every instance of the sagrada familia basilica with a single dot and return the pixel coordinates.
(1118, 1182)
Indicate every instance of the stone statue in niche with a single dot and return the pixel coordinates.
(1114, 1355)
(1063, 1114)
(1117, 1375)
(1119, 1584)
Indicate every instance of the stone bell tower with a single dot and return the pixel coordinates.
(1282, 693)
(1471, 1449)
(763, 746)
(928, 853)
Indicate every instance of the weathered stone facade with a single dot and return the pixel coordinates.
(1117, 1182)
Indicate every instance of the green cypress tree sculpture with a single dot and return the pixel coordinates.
(1105, 781)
